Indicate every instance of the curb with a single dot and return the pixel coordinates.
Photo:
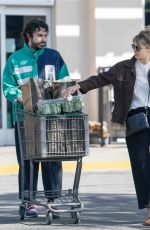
(70, 166)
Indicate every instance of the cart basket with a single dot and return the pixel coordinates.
(54, 136)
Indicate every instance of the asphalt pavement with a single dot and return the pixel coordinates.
(106, 190)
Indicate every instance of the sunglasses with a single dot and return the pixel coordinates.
(137, 48)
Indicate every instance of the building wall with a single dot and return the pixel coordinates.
(76, 18)
(117, 22)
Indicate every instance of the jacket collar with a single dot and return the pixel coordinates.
(32, 53)
(131, 64)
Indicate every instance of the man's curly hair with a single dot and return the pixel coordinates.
(32, 26)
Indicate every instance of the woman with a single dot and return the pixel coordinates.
(131, 82)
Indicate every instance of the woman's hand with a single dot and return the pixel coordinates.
(71, 90)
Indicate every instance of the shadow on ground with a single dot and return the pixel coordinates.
(102, 211)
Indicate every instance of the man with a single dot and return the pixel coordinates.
(33, 60)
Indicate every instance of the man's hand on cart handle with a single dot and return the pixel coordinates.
(71, 90)
(20, 99)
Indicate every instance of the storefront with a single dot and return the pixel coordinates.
(80, 30)
(13, 16)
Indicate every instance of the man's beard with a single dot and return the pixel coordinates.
(37, 46)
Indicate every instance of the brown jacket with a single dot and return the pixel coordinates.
(122, 76)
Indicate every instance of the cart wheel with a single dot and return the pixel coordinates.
(22, 212)
(72, 213)
(49, 218)
(76, 217)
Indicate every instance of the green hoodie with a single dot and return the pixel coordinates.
(26, 63)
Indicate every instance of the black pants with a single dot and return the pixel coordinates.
(51, 172)
(138, 148)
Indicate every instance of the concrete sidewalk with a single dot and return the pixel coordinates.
(109, 157)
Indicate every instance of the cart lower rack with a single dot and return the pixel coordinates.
(62, 137)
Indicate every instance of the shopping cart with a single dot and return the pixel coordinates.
(55, 137)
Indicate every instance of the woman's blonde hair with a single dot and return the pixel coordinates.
(143, 38)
